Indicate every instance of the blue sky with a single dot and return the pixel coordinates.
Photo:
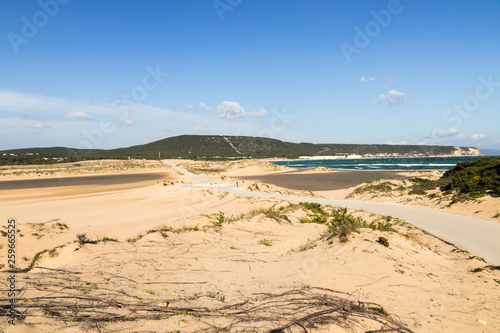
(107, 74)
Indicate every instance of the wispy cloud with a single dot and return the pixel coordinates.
(477, 137)
(392, 97)
(364, 79)
(77, 115)
(232, 110)
(199, 129)
(404, 142)
(187, 107)
(128, 122)
(452, 133)
(39, 126)
(205, 107)
(32, 114)
(34, 105)
(139, 123)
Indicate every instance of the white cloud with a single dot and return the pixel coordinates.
(199, 129)
(39, 126)
(477, 137)
(128, 122)
(77, 115)
(38, 104)
(364, 79)
(397, 143)
(149, 122)
(31, 114)
(231, 110)
(187, 107)
(392, 97)
(451, 133)
(205, 107)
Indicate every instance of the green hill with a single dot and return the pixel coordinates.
(222, 147)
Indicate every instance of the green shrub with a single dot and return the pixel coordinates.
(420, 186)
(108, 239)
(219, 220)
(417, 190)
(476, 179)
(82, 239)
(271, 213)
(373, 188)
(383, 241)
(265, 242)
(342, 224)
(381, 225)
(313, 207)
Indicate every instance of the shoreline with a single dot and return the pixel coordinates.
(323, 181)
(277, 159)
(83, 180)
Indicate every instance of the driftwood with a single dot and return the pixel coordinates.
(66, 297)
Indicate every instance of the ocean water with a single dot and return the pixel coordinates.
(380, 164)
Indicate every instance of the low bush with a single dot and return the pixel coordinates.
(82, 239)
(383, 241)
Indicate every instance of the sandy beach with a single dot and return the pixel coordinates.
(166, 255)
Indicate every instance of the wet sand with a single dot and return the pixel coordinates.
(101, 180)
(324, 181)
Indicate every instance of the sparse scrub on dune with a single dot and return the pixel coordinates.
(108, 239)
(312, 206)
(420, 186)
(340, 223)
(60, 225)
(375, 187)
(382, 224)
(383, 241)
(37, 257)
(135, 239)
(271, 213)
(265, 242)
(219, 220)
(82, 239)
(51, 253)
(310, 244)
(205, 169)
(290, 208)
(166, 228)
(254, 187)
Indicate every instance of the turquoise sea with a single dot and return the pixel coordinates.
(380, 164)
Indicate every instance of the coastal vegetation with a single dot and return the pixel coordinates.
(473, 179)
(341, 223)
(466, 181)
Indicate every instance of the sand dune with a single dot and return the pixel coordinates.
(173, 267)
